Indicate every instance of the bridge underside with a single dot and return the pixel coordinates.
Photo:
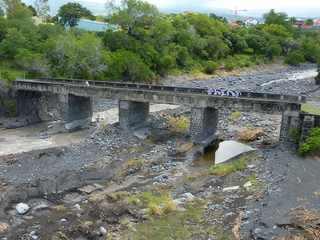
(69, 110)
(132, 114)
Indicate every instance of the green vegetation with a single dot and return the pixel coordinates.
(147, 44)
(188, 224)
(312, 143)
(310, 108)
(295, 58)
(70, 13)
(235, 116)
(157, 204)
(231, 167)
(295, 135)
(256, 185)
(179, 124)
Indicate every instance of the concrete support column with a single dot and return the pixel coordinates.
(204, 122)
(28, 104)
(291, 121)
(132, 114)
(78, 112)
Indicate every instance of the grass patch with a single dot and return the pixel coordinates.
(188, 224)
(179, 124)
(255, 184)
(228, 168)
(235, 116)
(157, 203)
(310, 108)
(136, 164)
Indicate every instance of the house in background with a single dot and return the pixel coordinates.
(251, 21)
(316, 23)
(95, 26)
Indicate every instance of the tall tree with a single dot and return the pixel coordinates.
(70, 14)
(15, 9)
(43, 9)
(273, 17)
(132, 14)
(309, 22)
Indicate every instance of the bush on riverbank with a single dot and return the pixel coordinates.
(312, 144)
(295, 58)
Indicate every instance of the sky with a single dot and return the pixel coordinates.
(231, 4)
(302, 8)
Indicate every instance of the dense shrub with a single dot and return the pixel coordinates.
(295, 58)
(210, 67)
(230, 64)
(127, 66)
(312, 143)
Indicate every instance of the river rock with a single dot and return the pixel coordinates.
(22, 208)
(102, 230)
(247, 184)
(229, 189)
(3, 227)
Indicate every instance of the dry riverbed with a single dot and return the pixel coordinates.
(108, 184)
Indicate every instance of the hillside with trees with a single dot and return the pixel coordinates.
(147, 45)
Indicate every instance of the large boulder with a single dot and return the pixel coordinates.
(249, 135)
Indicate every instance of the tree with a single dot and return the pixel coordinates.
(128, 66)
(309, 22)
(132, 15)
(32, 10)
(295, 58)
(276, 18)
(74, 56)
(70, 14)
(13, 41)
(42, 9)
(16, 10)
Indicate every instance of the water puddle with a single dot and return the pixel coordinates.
(222, 152)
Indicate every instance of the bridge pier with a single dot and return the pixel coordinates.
(132, 114)
(204, 122)
(70, 111)
(78, 112)
(291, 121)
(28, 106)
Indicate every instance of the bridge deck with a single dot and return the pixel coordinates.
(267, 97)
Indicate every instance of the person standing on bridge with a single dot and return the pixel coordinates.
(87, 84)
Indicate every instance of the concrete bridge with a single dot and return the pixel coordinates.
(72, 100)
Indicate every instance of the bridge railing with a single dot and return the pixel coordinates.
(242, 94)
